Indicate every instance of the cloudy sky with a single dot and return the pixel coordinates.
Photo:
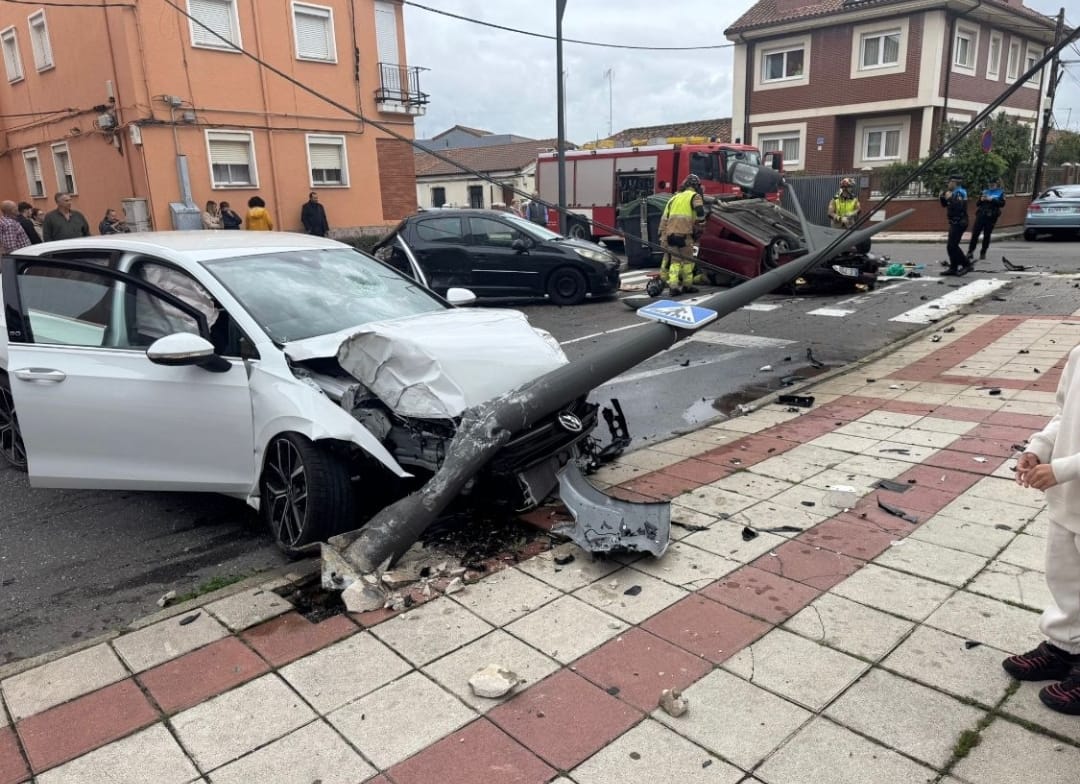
(505, 82)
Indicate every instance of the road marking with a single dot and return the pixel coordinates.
(833, 312)
(635, 325)
(641, 376)
(760, 306)
(739, 341)
(937, 309)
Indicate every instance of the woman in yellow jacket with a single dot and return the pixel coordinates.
(258, 217)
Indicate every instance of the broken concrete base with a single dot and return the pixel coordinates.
(673, 703)
(493, 682)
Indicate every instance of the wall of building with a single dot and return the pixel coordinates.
(930, 215)
(457, 188)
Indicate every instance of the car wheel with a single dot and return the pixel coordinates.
(566, 286)
(1030, 235)
(305, 491)
(11, 443)
(778, 247)
(579, 230)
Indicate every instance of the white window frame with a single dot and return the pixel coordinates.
(769, 132)
(31, 154)
(778, 47)
(252, 166)
(993, 70)
(61, 183)
(1013, 65)
(215, 44)
(972, 34)
(315, 10)
(9, 39)
(859, 33)
(327, 139)
(1029, 56)
(885, 124)
(43, 60)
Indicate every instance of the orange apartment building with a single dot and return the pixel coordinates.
(113, 103)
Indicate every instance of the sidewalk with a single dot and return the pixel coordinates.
(846, 645)
(942, 237)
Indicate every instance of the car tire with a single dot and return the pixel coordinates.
(1030, 235)
(12, 449)
(578, 230)
(777, 247)
(305, 493)
(566, 286)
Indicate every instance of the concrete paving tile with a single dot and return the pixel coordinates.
(988, 621)
(685, 447)
(1015, 584)
(584, 569)
(1040, 526)
(705, 628)
(834, 479)
(806, 498)
(248, 608)
(13, 768)
(1028, 552)
(431, 630)
(207, 672)
(924, 438)
(844, 442)
(698, 471)
(400, 719)
(879, 467)
(926, 559)
(505, 596)
(683, 565)
(453, 671)
(996, 759)
(735, 719)
(291, 636)
(894, 710)
(616, 473)
(649, 595)
(768, 514)
(743, 424)
(652, 752)
(724, 538)
(714, 501)
(751, 484)
(344, 671)
(890, 419)
(168, 639)
(809, 564)
(905, 453)
(566, 628)
(863, 429)
(649, 459)
(850, 536)
(1024, 704)
(151, 756)
(963, 535)
(685, 521)
(944, 662)
(312, 753)
(791, 469)
(239, 721)
(894, 592)
(1007, 490)
(988, 512)
(49, 685)
(796, 668)
(848, 626)
(938, 424)
(761, 594)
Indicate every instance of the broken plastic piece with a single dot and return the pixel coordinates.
(765, 368)
(897, 512)
(748, 534)
(803, 401)
(891, 486)
(782, 529)
(814, 362)
(969, 644)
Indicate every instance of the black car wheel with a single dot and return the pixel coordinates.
(306, 494)
(566, 286)
(578, 230)
(11, 443)
(1030, 235)
(778, 247)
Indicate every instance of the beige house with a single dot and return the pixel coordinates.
(440, 184)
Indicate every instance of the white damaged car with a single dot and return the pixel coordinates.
(291, 371)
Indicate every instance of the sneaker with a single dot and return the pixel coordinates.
(674, 291)
(950, 271)
(689, 289)
(971, 256)
(1063, 697)
(1045, 663)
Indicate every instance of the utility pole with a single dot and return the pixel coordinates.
(560, 98)
(610, 74)
(1048, 111)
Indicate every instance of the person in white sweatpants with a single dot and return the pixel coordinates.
(1052, 464)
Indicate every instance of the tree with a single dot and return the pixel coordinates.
(1065, 149)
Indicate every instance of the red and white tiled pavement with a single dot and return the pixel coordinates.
(851, 646)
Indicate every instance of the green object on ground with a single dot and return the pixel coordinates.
(895, 270)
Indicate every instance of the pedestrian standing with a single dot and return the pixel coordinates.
(987, 211)
(536, 211)
(26, 210)
(37, 217)
(112, 223)
(64, 223)
(230, 218)
(681, 223)
(211, 217)
(954, 200)
(258, 217)
(1052, 464)
(313, 216)
(12, 236)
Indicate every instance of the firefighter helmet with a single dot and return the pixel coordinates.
(691, 181)
(847, 182)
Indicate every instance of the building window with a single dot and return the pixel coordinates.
(993, 57)
(882, 143)
(965, 49)
(65, 175)
(12, 60)
(232, 159)
(782, 65)
(34, 181)
(39, 41)
(476, 197)
(1031, 56)
(326, 158)
(880, 49)
(313, 26)
(789, 143)
(1012, 70)
(438, 197)
(211, 19)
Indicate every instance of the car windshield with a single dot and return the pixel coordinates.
(295, 295)
(534, 230)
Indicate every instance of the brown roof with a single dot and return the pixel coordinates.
(496, 158)
(720, 128)
(467, 129)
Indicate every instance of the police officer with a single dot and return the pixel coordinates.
(844, 207)
(954, 200)
(681, 223)
(987, 211)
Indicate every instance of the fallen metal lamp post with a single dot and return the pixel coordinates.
(485, 429)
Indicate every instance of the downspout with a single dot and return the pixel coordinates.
(266, 110)
(150, 107)
(748, 89)
(117, 103)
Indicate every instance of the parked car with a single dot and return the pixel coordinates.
(287, 370)
(1056, 211)
(500, 255)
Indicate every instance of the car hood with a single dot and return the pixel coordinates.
(569, 242)
(436, 365)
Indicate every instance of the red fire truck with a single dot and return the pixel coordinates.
(599, 180)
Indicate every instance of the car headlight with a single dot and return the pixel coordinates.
(848, 272)
(595, 255)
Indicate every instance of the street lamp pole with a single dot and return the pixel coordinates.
(560, 98)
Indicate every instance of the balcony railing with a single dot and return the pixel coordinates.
(399, 89)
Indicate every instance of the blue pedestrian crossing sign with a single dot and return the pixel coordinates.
(678, 314)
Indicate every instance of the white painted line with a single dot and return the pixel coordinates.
(629, 377)
(833, 312)
(739, 341)
(937, 309)
(635, 325)
(760, 306)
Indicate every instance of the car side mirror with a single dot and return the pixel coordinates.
(520, 245)
(459, 298)
(184, 349)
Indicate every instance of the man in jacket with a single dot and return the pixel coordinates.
(680, 225)
(987, 211)
(25, 211)
(536, 211)
(954, 200)
(313, 216)
(844, 207)
(64, 223)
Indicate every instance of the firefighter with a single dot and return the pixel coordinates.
(681, 224)
(844, 207)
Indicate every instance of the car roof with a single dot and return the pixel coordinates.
(1064, 190)
(194, 245)
(459, 212)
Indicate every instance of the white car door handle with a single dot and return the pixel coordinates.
(40, 374)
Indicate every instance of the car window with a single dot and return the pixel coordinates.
(492, 233)
(105, 258)
(448, 230)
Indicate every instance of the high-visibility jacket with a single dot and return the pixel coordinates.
(681, 204)
(842, 207)
(683, 211)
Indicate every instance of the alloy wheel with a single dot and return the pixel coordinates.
(286, 484)
(11, 443)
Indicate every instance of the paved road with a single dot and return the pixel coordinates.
(74, 564)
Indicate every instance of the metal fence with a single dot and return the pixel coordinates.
(814, 191)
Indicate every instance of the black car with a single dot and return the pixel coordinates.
(500, 255)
